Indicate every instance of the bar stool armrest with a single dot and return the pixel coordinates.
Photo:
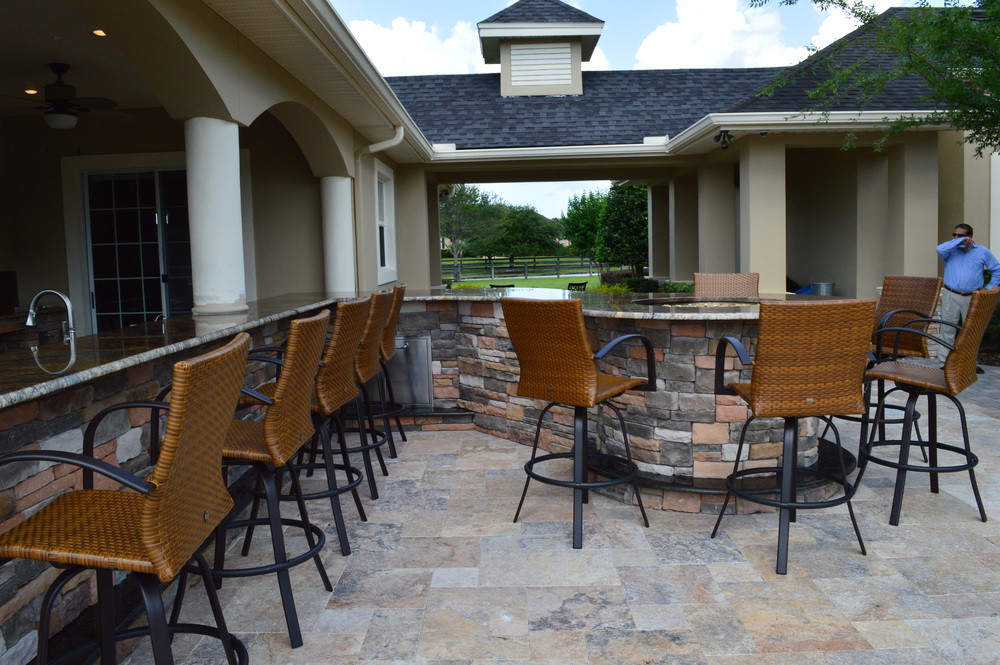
(889, 315)
(154, 429)
(720, 363)
(88, 464)
(261, 397)
(880, 335)
(650, 384)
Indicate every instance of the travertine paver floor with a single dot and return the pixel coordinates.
(440, 575)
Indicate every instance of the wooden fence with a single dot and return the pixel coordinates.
(527, 266)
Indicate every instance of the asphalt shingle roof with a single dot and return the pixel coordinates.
(623, 107)
(616, 107)
(541, 11)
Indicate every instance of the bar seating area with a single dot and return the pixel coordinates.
(432, 569)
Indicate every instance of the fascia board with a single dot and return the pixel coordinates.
(781, 121)
(484, 155)
(503, 30)
(321, 24)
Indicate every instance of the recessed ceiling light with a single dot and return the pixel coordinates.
(100, 33)
(29, 91)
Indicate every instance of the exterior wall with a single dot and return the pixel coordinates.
(684, 241)
(873, 222)
(413, 244)
(964, 188)
(287, 224)
(913, 206)
(658, 231)
(822, 217)
(763, 224)
(718, 229)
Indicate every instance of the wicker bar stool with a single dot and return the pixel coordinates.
(559, 367)
(267, 446)
(726, 284)
(387, 349)
(958, 373)
(810, 361)
(152, 531)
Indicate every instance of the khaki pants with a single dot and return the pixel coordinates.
(954, 308)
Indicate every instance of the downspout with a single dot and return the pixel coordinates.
(361, 152)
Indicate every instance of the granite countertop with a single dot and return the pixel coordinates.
(23, 378)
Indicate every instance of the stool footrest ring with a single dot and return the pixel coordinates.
(175, 628)
(755, 493)
(630, 470)
(352, 472)
(971, 459)
(272, 567)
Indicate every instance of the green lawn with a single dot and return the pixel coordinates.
(534, 282)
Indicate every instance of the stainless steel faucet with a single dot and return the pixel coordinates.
(69, 331)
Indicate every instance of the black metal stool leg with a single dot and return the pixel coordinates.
(331, 484)
(849, 490)
(969, 456)
(932, 454)
(736, 466)
(628, 456)
(392, 398)
(342, 441)
(304, 514)
(213, 601)
(149, 585)
(45, 617)
(904, 457)
(579, 471)
(278, 546)
(380, 381)
(788, 462)
(534, 451)
(175, 611)
(373, 429)
(106, 613)
(366, 456)
(254, 512)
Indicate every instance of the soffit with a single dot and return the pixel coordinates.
(305, 42)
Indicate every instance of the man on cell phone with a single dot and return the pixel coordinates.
(964, 262)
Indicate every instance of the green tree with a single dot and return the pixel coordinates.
(954, 51)
(526, 232)
(622, 236)
(470, 218)
(582, 219)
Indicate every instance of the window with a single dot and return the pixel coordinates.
(385, 220)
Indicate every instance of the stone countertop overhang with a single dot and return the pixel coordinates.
(23, 379)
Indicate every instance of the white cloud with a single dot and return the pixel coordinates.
(718, 33)
(549, 198)
(598, 61)
(838, 23)
(415, 48)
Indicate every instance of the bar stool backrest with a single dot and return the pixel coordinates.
(288, 422)
(960, 366)
(335, 381)
(190, 497)
(726, 284)
(904, 292)
(366, 363)
(811, 358)
(388, 348)
(550, 340)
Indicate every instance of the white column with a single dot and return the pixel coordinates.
(215, 216)
(658, 231)
(762, 212)
(339, 262)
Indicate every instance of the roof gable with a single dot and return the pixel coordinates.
(541, 11)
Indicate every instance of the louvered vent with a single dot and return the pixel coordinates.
(541, 64)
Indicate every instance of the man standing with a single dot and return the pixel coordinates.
(964, 262)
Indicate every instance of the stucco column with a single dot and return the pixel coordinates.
(658, 230)
(339, 263)
(717, 229)
(215, 216)
(684, 227)
(762, 211)
(913, 206)
(873, 222)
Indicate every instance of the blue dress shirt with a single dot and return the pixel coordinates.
(963, 271)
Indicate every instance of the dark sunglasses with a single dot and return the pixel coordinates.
(959, 235)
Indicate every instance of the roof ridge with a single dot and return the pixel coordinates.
(541, 11)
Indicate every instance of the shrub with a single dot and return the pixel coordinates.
(611, 288)
(678, 287)
(616, 276)
(641, 285)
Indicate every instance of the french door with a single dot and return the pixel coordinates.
(140, 249)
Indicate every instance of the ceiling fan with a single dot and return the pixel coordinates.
(62, 106)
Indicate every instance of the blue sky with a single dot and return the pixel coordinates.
(439, 37)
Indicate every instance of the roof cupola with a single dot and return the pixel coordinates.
(540, 46)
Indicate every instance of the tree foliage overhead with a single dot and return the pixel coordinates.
(583, 219)
(954, 51)
(622, 236)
